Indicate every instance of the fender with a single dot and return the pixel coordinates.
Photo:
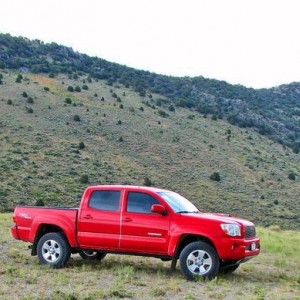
(176, 241)
(66, 226)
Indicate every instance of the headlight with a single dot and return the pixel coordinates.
(231, 229)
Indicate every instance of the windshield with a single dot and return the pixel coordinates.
(178, 203)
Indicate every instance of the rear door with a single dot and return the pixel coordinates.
(99, 220)
(143, 231)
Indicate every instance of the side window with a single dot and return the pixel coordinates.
(140, 202)
(105, 200)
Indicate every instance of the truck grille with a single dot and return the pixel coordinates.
(250, 232)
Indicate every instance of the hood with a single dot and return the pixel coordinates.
(218, 218)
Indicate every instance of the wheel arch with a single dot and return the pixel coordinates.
(190, 238)
(41, 231)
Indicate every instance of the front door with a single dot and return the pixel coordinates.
(143, 231)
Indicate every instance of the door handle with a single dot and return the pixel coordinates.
(88, 217)
(127, 219)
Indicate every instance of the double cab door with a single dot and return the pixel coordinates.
(122, 220)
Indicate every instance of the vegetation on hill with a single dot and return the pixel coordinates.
(56, 140)
(272, 112)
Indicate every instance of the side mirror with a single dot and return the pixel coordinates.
(158, 209)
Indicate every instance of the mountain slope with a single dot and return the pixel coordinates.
(51, 136)
(272, 112)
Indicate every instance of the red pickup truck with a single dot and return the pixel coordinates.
(135, 220)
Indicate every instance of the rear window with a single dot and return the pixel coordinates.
(105, 200)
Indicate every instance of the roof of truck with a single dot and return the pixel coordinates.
(131, 187)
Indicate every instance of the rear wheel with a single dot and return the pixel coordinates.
(199, 259)
(53, 249)
(91, 254)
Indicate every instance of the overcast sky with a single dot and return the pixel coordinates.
(255, 43)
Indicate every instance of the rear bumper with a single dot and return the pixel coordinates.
(14, 232)
(239, 249)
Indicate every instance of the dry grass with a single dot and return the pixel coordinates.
(272, 275)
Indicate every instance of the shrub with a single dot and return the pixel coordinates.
(215, 176)
(77, 89)
(142, 93)
(121, 139)
(9, 102)
(85, 87)
(46, 89)
(68, 100)
(29, 110)
(29, 100)
(70, 88)
(24, 94)
(19, 78)
(76, 118)
(296, 149)
(147, 182)
(39, 202)
(81, 145)
(119, 122)
(171, 108)
(121, 106)
(84, 178)
(292, 176)
(162, 113)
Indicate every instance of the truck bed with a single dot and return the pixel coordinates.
(29, 218)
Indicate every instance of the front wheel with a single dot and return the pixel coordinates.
(199, 259)
(53, 249)
(91, 255)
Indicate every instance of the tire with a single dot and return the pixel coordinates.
(91, 255)
(199, 260)
(228, 269)
(53, 250)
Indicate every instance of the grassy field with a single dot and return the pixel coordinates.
(272, 275)
(126, 139)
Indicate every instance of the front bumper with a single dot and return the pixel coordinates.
(239, 249)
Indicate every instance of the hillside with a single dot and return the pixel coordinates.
(50, 136)
(272, 112)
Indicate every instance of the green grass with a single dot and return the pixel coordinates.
(274, 274)
(40, 157)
